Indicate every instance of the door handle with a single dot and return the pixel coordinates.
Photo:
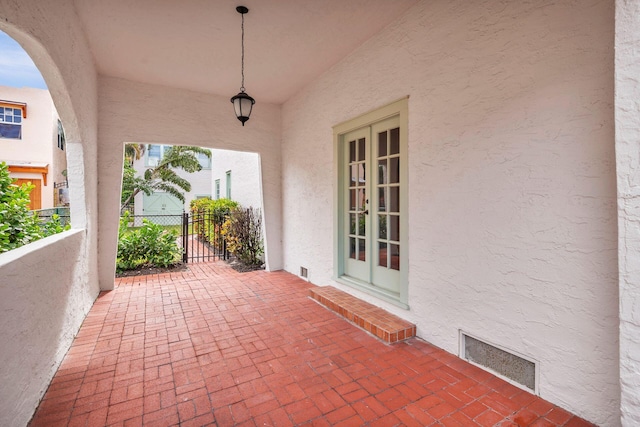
(366, 211)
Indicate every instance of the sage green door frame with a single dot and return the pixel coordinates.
(382, 281)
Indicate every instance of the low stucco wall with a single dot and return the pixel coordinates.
(512, 193)
(44, 298)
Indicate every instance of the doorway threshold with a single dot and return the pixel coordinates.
(379, 322)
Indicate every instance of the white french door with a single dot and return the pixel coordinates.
(372, 189)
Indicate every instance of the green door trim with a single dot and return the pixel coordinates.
(400, 109)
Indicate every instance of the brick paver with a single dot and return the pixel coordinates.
(210, 346)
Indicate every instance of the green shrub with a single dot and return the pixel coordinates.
(208, 216)
(149, 245)
(243, 232)
(18, 225)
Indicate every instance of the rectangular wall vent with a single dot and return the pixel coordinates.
(499, 361)
(304, 273)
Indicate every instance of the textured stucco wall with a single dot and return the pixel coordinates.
(245, 176)
(131, 111)
(40, 317)
(39, 138)
(512, 188)
(51, 284)
(627, 113)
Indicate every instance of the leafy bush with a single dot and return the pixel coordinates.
(149, 245)
(243, 232)
(18, 225)
(208, 216)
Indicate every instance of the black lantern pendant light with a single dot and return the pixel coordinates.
(242, 102)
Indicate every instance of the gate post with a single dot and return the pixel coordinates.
(185, 237)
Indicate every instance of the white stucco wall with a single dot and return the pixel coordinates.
(512, 192)
(40, 316)
(47, 287)
(245, 176)
(627, 61)
(39, 138)
(131, 111)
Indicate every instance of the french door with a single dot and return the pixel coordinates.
(372, 188)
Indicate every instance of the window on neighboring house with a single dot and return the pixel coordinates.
(204, 161)
(155, 153)
(11, 123)
(61, 139)
(229, 185)
(217, 189)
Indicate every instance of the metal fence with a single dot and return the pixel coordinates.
(46, 215)
(198, 234)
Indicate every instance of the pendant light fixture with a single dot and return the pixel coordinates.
(242, 102)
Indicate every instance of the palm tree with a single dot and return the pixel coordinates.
(162, 177)
(133, 151)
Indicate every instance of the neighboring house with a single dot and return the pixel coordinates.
(161, 203)
(497, 141)
(236, 176)
(32, 143)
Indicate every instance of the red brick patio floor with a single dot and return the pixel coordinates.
(211, 346)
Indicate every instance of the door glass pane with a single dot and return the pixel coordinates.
(394, 254)
(395, 141)
(352, 200)
(353, 175)
(362, 178)
(352, 221)
(361, 223)
(352, 247)
(382, 171)
(382, 144)
(394, 173)
(362, 249)
(395, 228)
(352, 151)
(382, 200)
(382, 226)
(382, 255)
(361, 151)
(394, 195)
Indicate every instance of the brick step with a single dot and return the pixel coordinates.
(382, 324)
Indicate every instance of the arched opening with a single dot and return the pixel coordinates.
(48, 285)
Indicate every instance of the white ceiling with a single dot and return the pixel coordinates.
(195, 44)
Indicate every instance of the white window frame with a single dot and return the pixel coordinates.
(15, 116)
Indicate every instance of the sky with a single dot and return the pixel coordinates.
(16, 67)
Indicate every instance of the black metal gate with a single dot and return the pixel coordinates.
(202, 238)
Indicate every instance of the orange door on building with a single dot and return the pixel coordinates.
(36, 193)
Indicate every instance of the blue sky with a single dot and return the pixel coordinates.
(16, 67)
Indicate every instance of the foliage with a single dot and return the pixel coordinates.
(243, 233)
(133, 152)
(18, 225)
(54, 226)
(209, 215)
(149, 245)
(162, 177)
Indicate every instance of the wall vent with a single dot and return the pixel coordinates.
(504, 363)
(304, 273)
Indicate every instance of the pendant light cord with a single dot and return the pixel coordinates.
(242, 86)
